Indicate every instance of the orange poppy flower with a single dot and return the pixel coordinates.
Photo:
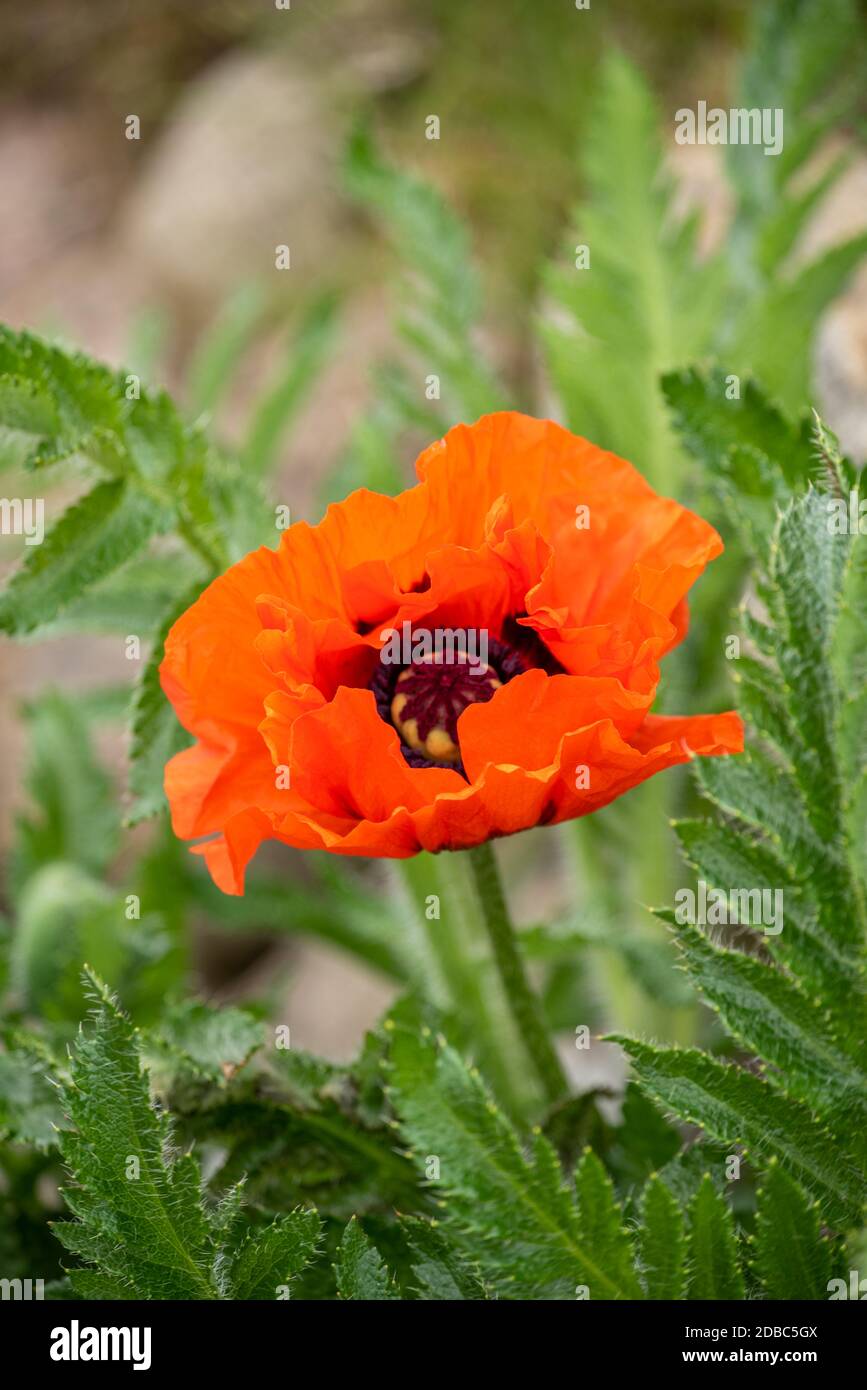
(473, 657)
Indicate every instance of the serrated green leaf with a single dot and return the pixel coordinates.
(269, 1259)
(125, 1184)
(80, 403)
(439, 1270)
(712, 422)
(132, 600)
(644, 304)
(807, 568)
(30, 1111)
(712, 1247)
(91, 1284)
(90, 540)
(740, 1109)
(767, 1011)
(601, 1227)
(791, 1257)
(726, 858)
(510, 1213)
(361, 1270)
(661, 1243)
(776, 330)
(27, 417)
(441, 296)
(193, 1038)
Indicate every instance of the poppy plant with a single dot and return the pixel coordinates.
(473, 657)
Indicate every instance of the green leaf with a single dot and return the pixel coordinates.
(440, 296)
(712, 423)
(645, 304)
(94, 537)
(510, 1213)
(661, 1243)
(132, 600)
(787, 220)
(807, 571)
(269, 1259)
(274, 413)
(27, 417)
(67, 403)
(125, 1183)
(776, 331)
(713, 1252)
(30, 1111)
(740, 1109)
(767, 1011)
(220, 348)
(91, 1284)
(361, 1271)
(601, 1227)
(303, 1130)
(65, 917)
(440, 1272)
(849, 659)
(195, 1039)
(791, 1257)
(803, 58)
(73, 817)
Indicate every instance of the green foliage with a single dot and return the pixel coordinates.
(361, 1272)
(398, 1175)
(440, 294)
(192, 1040)
(787, 829)
(30, 1110)
(273, 414)
(128, 1181)
(662, 1247)
(73, 818)
(644, 303)
(713, 1247)
(439, 1271)
(91, 540)
(791, 1259)
(648, 303)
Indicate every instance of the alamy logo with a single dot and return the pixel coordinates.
(444, 646)
(77, 1343)
(847, 516)
(856, 1288)
(24, 1289)
(744, 907)
(23, 516)
(739, 126)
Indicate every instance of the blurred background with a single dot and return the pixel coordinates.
(158, 252)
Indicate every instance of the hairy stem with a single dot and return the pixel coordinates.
(462, 977)
(523, 1002)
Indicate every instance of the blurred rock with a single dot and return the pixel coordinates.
(332, 1001)
(246, 163)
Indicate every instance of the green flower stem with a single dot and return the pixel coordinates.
(525, 1006)
(196, 542)
(458, 972)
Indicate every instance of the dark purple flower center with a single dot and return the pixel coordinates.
(425, 697)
